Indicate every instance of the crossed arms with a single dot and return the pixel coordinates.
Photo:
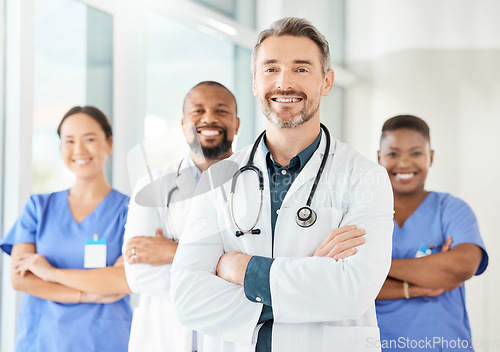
(206, 282)
(33, 274)
(434, 274)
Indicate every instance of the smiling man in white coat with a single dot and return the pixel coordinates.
(210, 123)
(298, 265)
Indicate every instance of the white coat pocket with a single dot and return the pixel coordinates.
(351, 338)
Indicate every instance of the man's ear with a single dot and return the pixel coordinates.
(328, 82)
(237, 126)
(254, 85)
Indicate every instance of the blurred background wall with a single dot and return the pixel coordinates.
(440, 61)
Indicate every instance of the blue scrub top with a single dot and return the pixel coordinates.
(424, 323)
(44, 325)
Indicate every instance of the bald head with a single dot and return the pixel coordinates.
(210, 84)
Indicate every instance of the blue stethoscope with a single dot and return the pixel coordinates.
(306, 217)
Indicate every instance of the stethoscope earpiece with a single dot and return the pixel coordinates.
(253, 232)
(306, 217)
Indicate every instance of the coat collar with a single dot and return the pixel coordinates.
(186, 179)
(308, 172)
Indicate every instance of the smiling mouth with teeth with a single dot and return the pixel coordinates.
(81, 161)
(404, 176)
(209, 131)
(286, 100)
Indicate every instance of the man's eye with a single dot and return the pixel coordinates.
(392, 155)
(416, 153)
(302, 70)
(271, 70)
(222, 112)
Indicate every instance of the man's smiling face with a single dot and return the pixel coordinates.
(289, 80)
(211, 112)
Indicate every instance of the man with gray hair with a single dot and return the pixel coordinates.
(292, 261)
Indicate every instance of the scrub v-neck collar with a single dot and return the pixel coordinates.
(416, 211)
(91, 214)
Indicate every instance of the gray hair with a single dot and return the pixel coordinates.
(296, 27)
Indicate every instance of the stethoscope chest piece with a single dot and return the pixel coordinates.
(306, 217)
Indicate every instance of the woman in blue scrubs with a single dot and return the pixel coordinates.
(66, 248)
(436, 247)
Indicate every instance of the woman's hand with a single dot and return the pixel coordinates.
(119, 262)
(37, 264)
(433, 292)
(88, 297)
(447, 244)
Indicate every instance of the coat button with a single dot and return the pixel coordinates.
(258, 299)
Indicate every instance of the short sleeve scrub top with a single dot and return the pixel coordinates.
(431, 323)
(44, 325)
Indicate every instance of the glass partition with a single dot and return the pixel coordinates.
(73, 66)
(178, 57)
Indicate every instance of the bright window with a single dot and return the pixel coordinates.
(72, 67)
(178, 57)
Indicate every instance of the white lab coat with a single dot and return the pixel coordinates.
(154, 325)
(318, 304)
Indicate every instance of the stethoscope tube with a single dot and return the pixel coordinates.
(249, 166)
(175, 188)
(305, 217)
(254, 168)
(169, 197)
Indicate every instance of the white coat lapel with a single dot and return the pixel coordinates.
(265, 218)
(260, 162)
(178, 192)
(186, 181)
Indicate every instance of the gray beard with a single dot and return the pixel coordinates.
(300, 119)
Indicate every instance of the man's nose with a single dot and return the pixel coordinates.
(209, 117)
(284, 81)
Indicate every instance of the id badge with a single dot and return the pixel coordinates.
(95, 253)
(426, 250)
